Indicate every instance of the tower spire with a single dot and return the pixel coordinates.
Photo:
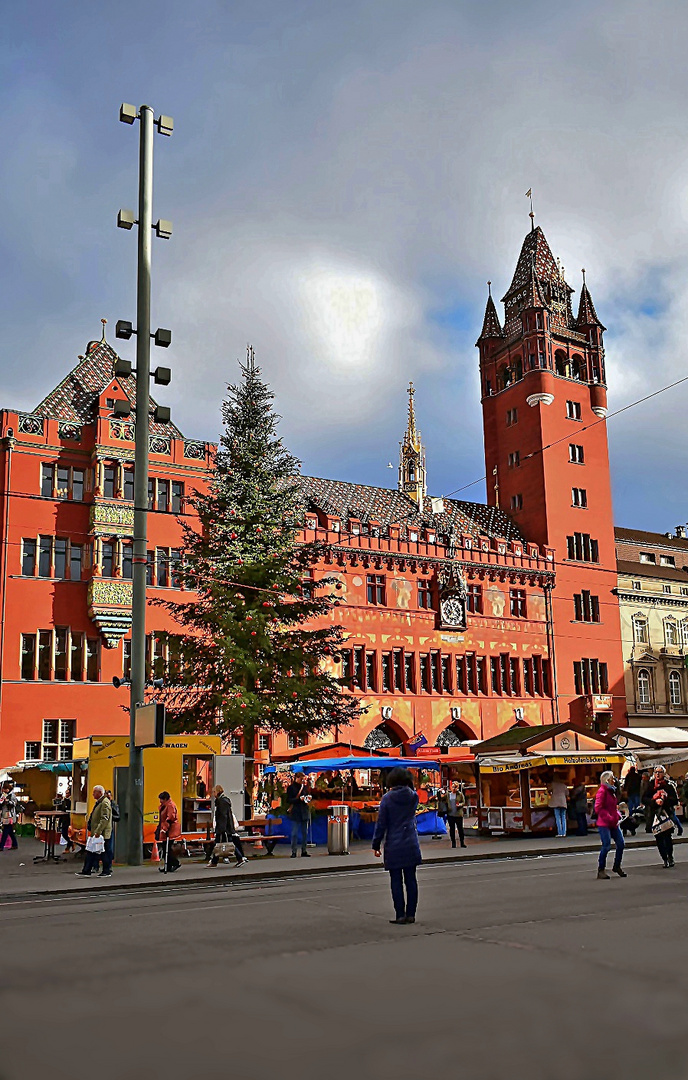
(412, 477)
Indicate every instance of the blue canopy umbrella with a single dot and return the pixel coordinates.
(339, 764)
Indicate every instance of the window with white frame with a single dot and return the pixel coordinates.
(675, 688)
(666, 588)
(636, 585)
(640, 634)
(670, 632)
(235, 744)
(644, 687)
(58, 738)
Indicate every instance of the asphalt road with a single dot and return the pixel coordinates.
(528, 969)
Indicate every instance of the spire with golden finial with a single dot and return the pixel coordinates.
(412, 458)
(104, 322)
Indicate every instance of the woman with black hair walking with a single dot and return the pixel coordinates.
(396, 830)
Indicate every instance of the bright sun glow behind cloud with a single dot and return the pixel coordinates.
(346, 314)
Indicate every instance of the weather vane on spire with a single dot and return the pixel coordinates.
(531, 215)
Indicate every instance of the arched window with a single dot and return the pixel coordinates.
(644, 687)
(670, 632)
(640, 634)
(560, 363)
(383, 736)
(576, 367)
(518, 368)
(675, 688)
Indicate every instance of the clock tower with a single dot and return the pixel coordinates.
(544, 398)
(412, 475)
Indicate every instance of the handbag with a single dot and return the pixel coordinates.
(96, 845)
(662, 823)
(223, 849)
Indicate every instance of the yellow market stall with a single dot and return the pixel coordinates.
(188, 766)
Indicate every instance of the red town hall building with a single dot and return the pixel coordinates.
(462, 619)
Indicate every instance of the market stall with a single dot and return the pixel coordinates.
(516, 771)
(188, 766)
(355, 781)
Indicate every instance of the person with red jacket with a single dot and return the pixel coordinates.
(607, 814)
(168, 831)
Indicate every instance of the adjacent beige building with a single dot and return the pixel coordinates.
(653, 601)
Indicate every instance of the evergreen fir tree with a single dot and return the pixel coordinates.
(260, 642)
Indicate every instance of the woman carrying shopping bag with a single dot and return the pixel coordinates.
(225, 830)
(661, 799)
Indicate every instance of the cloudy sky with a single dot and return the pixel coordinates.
(343, 178)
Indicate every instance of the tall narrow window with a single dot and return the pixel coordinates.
(586, 607)
(163, 494)
(78, 485)
(92, 659)
(461, 675)
(359, 667)
(398, 673)
(175, 567)
(494, 674)
(177, 497)
(28, 656)
(644, 687)
(161, 558)
(424, 594)
(77, 658)
(61, 654)
(474, 600)
(579, 498)
(425, 673)
(76, 558)
(109, 481)
(151, 493)
(28, 557)
(576, 454)
(387, 674)
(150, 567)
(434, 671)
(582, 548)
(514, 679)
(516, 502)
(128, 491)
(108, 563)
(371, 680)
(45, 547)
(517, 601)
(45, 654)
(60, 558)
(446, 674)
(481, 674)
(410, 672)
(573, 410)
(127, 560)
(62, 486)
(674, 688)
(126, 659)
(47, 474)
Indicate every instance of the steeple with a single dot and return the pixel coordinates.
(491, 325)
(534, 295)
(412, 478)
(587, 316)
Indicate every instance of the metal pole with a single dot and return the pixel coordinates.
(138, 615)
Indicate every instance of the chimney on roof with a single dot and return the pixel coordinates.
(681, 532)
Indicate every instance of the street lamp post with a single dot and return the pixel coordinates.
(125, 220)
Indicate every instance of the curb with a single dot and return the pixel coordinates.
(313, 871)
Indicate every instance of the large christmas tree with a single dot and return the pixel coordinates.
(260, 643)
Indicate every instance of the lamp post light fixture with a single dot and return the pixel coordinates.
(128, 114)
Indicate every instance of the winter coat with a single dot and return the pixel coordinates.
(169, 821)
(606, 807)
(396, 829)
(579, 799)
(457, 802)
(668, 794)
(632, 784)
(224, 817)
(100, 818)
(296, 807)
(9, 809)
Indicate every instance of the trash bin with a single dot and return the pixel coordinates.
(338, 830)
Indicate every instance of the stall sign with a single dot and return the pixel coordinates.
(516, 765)
(428, 751)
(584, 759)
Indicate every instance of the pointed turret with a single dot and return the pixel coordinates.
(491, 325)
(412, 479)
(534, 295)
(587, 316)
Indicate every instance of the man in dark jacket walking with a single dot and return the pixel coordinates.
(224, 826)
(396, 829)
(297, 808)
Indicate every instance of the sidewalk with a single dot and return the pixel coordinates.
(20, 877)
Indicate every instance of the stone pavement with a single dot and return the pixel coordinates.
(20, 876)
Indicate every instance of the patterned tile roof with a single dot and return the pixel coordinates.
(389, 506)
(536, 253)
(491, 325)
(587, 316)
(76, 397)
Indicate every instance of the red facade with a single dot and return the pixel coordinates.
(462, 619)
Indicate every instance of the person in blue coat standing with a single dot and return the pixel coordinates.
(396, 830)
